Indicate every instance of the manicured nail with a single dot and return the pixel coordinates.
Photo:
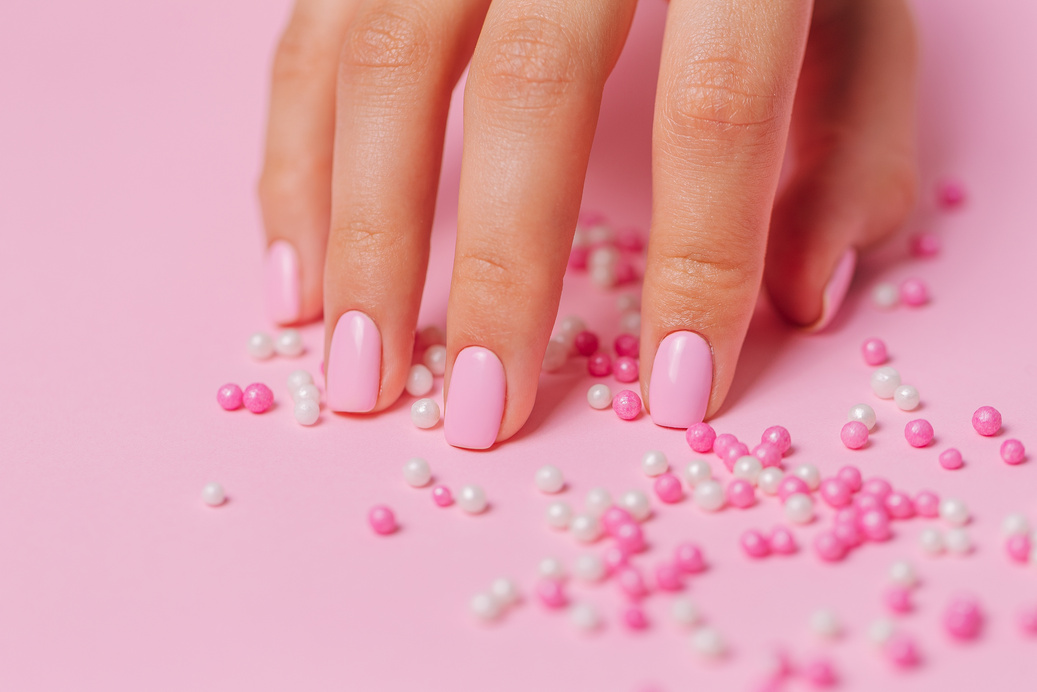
(282, 282)
(354, 364)
(682, 376)
(475, 402)
(835, 290)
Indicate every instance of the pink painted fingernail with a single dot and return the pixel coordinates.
(835, 290)
(681, 380)
(475, 400)
(282, 282)
(354, 364)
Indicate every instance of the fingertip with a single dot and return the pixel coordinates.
(282, 282)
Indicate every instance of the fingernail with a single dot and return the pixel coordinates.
(835, 290)
(475, 401)
(354, 364)
(282, 282)
(682, 376)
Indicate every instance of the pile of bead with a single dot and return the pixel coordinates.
(257, 397)
(607, 255)
(288, 343)
(489, 605)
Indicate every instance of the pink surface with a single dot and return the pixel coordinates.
(131, 273)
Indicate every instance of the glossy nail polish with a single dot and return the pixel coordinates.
(475, 400)
(682, 376)
(354, 364)
(835, 290)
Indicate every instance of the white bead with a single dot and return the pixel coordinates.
(825, 624)
(435, 359)
(708, 642)
(559, 514)
(628, 302)
(958, 541)
(630, 322)
(213, 494)
(863, 413)
(306, 391)
(307, 411)
(298, 379)
(1015, 524)
(417, 472)
(604, 256)
(954, 512)
(472, 499)
(599, 396)
(906, 397)
(584, 617)
(885, 295)
(880, 631)
(902, 573)
(505, 591)
(419, 380)
(289, 343)
(260, 346)
(696, 471)
(551, 568)
(799, 508)
(685, 612)
(931, 541)
(637, 504)
(589, 568)
(485, 607)
(748, 468)
(555, 356)
(549, 479)
(600, 234)
(809, 474)
(424, 413)
(571, 326)
(709, 495)
(654, 463)
(597, 501)
(585, 528)
(769, 480)
(604, 276)
(884, 381)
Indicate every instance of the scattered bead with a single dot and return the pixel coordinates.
(668, 488)
(306, 411)
(958, 541)
(927, 504)
(626, 303)
(597, 501)
(851, 476)
(614, 559)
(637, 503)
(551, 568)
(950, 194)
(631, 582)
(878, 487)
(1027, 620)
(627, 345)
(1013, 452)
(708, 643)
(424, 413)
(779, 437)
(697, 471)
(906, 397)
(416, 472)
(723, 442)
(902, 573)
(748, 468)
(213, 494)
(923, 245)
(899, 505)
(630, 322)
(549, 479)
(485, 607)
(627, 405)
(1018, 546)
(629, 538)
(884, 381)
(634, 618)
(229, 397)
(901, 650)
(825, 624)
(799, 508)
(848, 534)
(835, 493)
(419, 380)
(260, 346)
(584, 617)
(382, 520)
(809, 474)
(625, 369)
(442, 496)
(862, 413)
(559, 514)
(885, 295)
(689, 559)
(615, 517)
(919, 433)
(685, 612)
(768, 454)
(881, 631)
(505, 591)
(668, 577)
(555, 355)
(874, 524)
(257, 398)
(874, 351)
(769, 480)
(571, 325)
(472, 499)
(734, 452)
(306, 391)
(551, 593)
(289, 343)
(828, 546)
(298, 378)
(740, 494)
(435, 359)
(654, 463)
(586, 343)
(791, 485)
(782, 542)
(987, 421)
(819, 672)
(954, 512)
(585, 528)
(950, 459)
(854, 434)
(599, 364)
(1015, 524)
(599, 396)
(589, 568)
(913, 293)
(963, 618)
(931, 541)
(709, 495)
(754, 544)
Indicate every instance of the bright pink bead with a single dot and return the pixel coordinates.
(599, 364)
(913, 292)
(257, 397)
(630, 239)
(899, 505)
(627, 345)
(625, 369)
(1018, 547)
(700, 437)
(634, 618)
(688, 558)
(1027, 619)
(668, 577)
(782, 542)
(950, 193)
(1013, 452)
(722, 442)
(874, 524)
(668, 488)
(879, 487)
(851, 476)
(848, 515)
(927, 504)
(987, 421)
(382, 520)
(919, 433)
(924, 245)
(741, 494)
(768, 454)
(901, 650)
(586, 343)
(626, 272)
(755, 544)
(630, 538)
(828, 546)
(898, 599)
(614, 517)
(631, 582)
(819, 672)
(951, 459)
(848, 534)
(735, 452)
(627, 405)
(614, 558)
(779, 437)
(854, 434)
(790, 485)
(229, 397)
(865, 502)
(551, 593)
(963, 618)
(442, 496)
(578, 258)
(835, 493)
(874, 351)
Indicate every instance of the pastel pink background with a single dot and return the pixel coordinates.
(130, 139)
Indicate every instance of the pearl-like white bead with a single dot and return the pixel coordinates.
(604, 256)
(654, 463)
(289, 343)
(549, 479)
(628, 302)
(424, 413)
(958, 541)
(825, 623)
(585, 528)
(708, 643)
(902, 573)
(931, 541)
(419, 380)
(485, 607)
(637, 504)
(769, 480)
(306, 391)
(570, 326)
(472, 499)
(884, 382)
(551, 568)
(555, 356)
(260, 346)
(603, 276)
(505, 591)
(685, 612)
(601, 234)
(584, 617)
(906, 397)
(880, 631)
(597, 501)
(799, 508)
(213, 494)
(417, 472)
(630, 322)
(954, 512)
(809, 474)
(307, 411)
(862, 413)
(748, 468)
(885, 295)
(435, 359)
(1015, 524)
(696, 471)
(709, 495)
(589, 568)
(599, 396)
(298, 378)
(559, 514)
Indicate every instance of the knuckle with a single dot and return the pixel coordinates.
(705, 279)
(359, 237)
(487, 275)
(391, 41)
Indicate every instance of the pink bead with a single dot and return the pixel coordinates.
(625, 369)
(951, 459)
(630, 239)
(782, 542)
(734, 452)
(874, 524)
(1013, 452)
(615, 517)
(741, 494)
(790, 485)
(919, 433)
(879, 487)
(700, 437)
(963, 618)
(768, 454)
(578, 258)
(442, 496)
(551, 593)
(865, 502)
(913, 292)
(586, 343)
(382, 520)
(854, 434)
(599, 364)
(229, 397)
(851, 476)
(899, 505)
(627, 345)
(634, 618)
(819, 672)
(626, 273)
(828, 546)
(755, 544)
(950, 193)
(668, 577)
(1027, 619)
(257, 398)
(898, 599)
(629, 538)
(924, 245)
(688, 558)
(722, 442)
(848, 515)
(835, 493)
(615, 559)
(668, 488)
(848, 534)
(779, 437)
(627, 405)
(631, 582)
(987, 421)
(901, 650)
(1018, 547)
(927, 504)
(874, 351)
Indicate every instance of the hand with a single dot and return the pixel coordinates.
(358, 111)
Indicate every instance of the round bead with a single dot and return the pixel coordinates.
(419, 380)
(708, 643)
(668, 577)
(213, 494)
(851, 476)
(898, 599)
(879, 487)
(899, 505)
(260, 346)
(906, 397)
(555, 355)
(1018, 546)
(589, 568)
(1027, 620)
(723, 442)
(442, 496)
(549, 479)
(950, 193)
(958, 541)
(584, 617)
(629, 538)
(903, 573)
(485, 607)
(551, 568)
(809, 474)
(685, 612)
(615, 559)
(298, 378)
(306, 391)
(913, 292)
(289, 343)
(740, 494)
(748, 468)
(963, 618)
(257, 398)
(734, 453)
(950, 459)
(779, 437)
(862, 413)
(696, 471)
(668, 488)
(881, 631)
(825, 624)
(417, 473)
(835, 493)
(424, 413)
(599, 364)
(768, 454)
(627, 405)
(602, 256)
(571, 325)
(1013, 452)
(637, 504)
(987, 421)
(769, 480)
(848, 534)
(709, 495)
(1015, 524)
(688, 558)
(306, 411)
(874, 351)
(927, 504)
(874, 524)
(551, 593)
(627, 345)
(901, 650)
(885, 295)
(782, 542)
(625, 369)
(631, 582)
(229, 397)
(918, 433)
(472, 499)
(505, 591)
(799, 508)
(754, 544)
(585, 528)
(924, 245)
(630, 322)
(884, 381)
(854, 434)
(559, 514)
(627, 302)
(435, 359)
(819, 672)
(634, 618)
(597, 501)
(599, 396)
(954, 512)
(382, 520)
(654, 463)
(931, 541)
(828, 547)
(586, 343)
(791, 485)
